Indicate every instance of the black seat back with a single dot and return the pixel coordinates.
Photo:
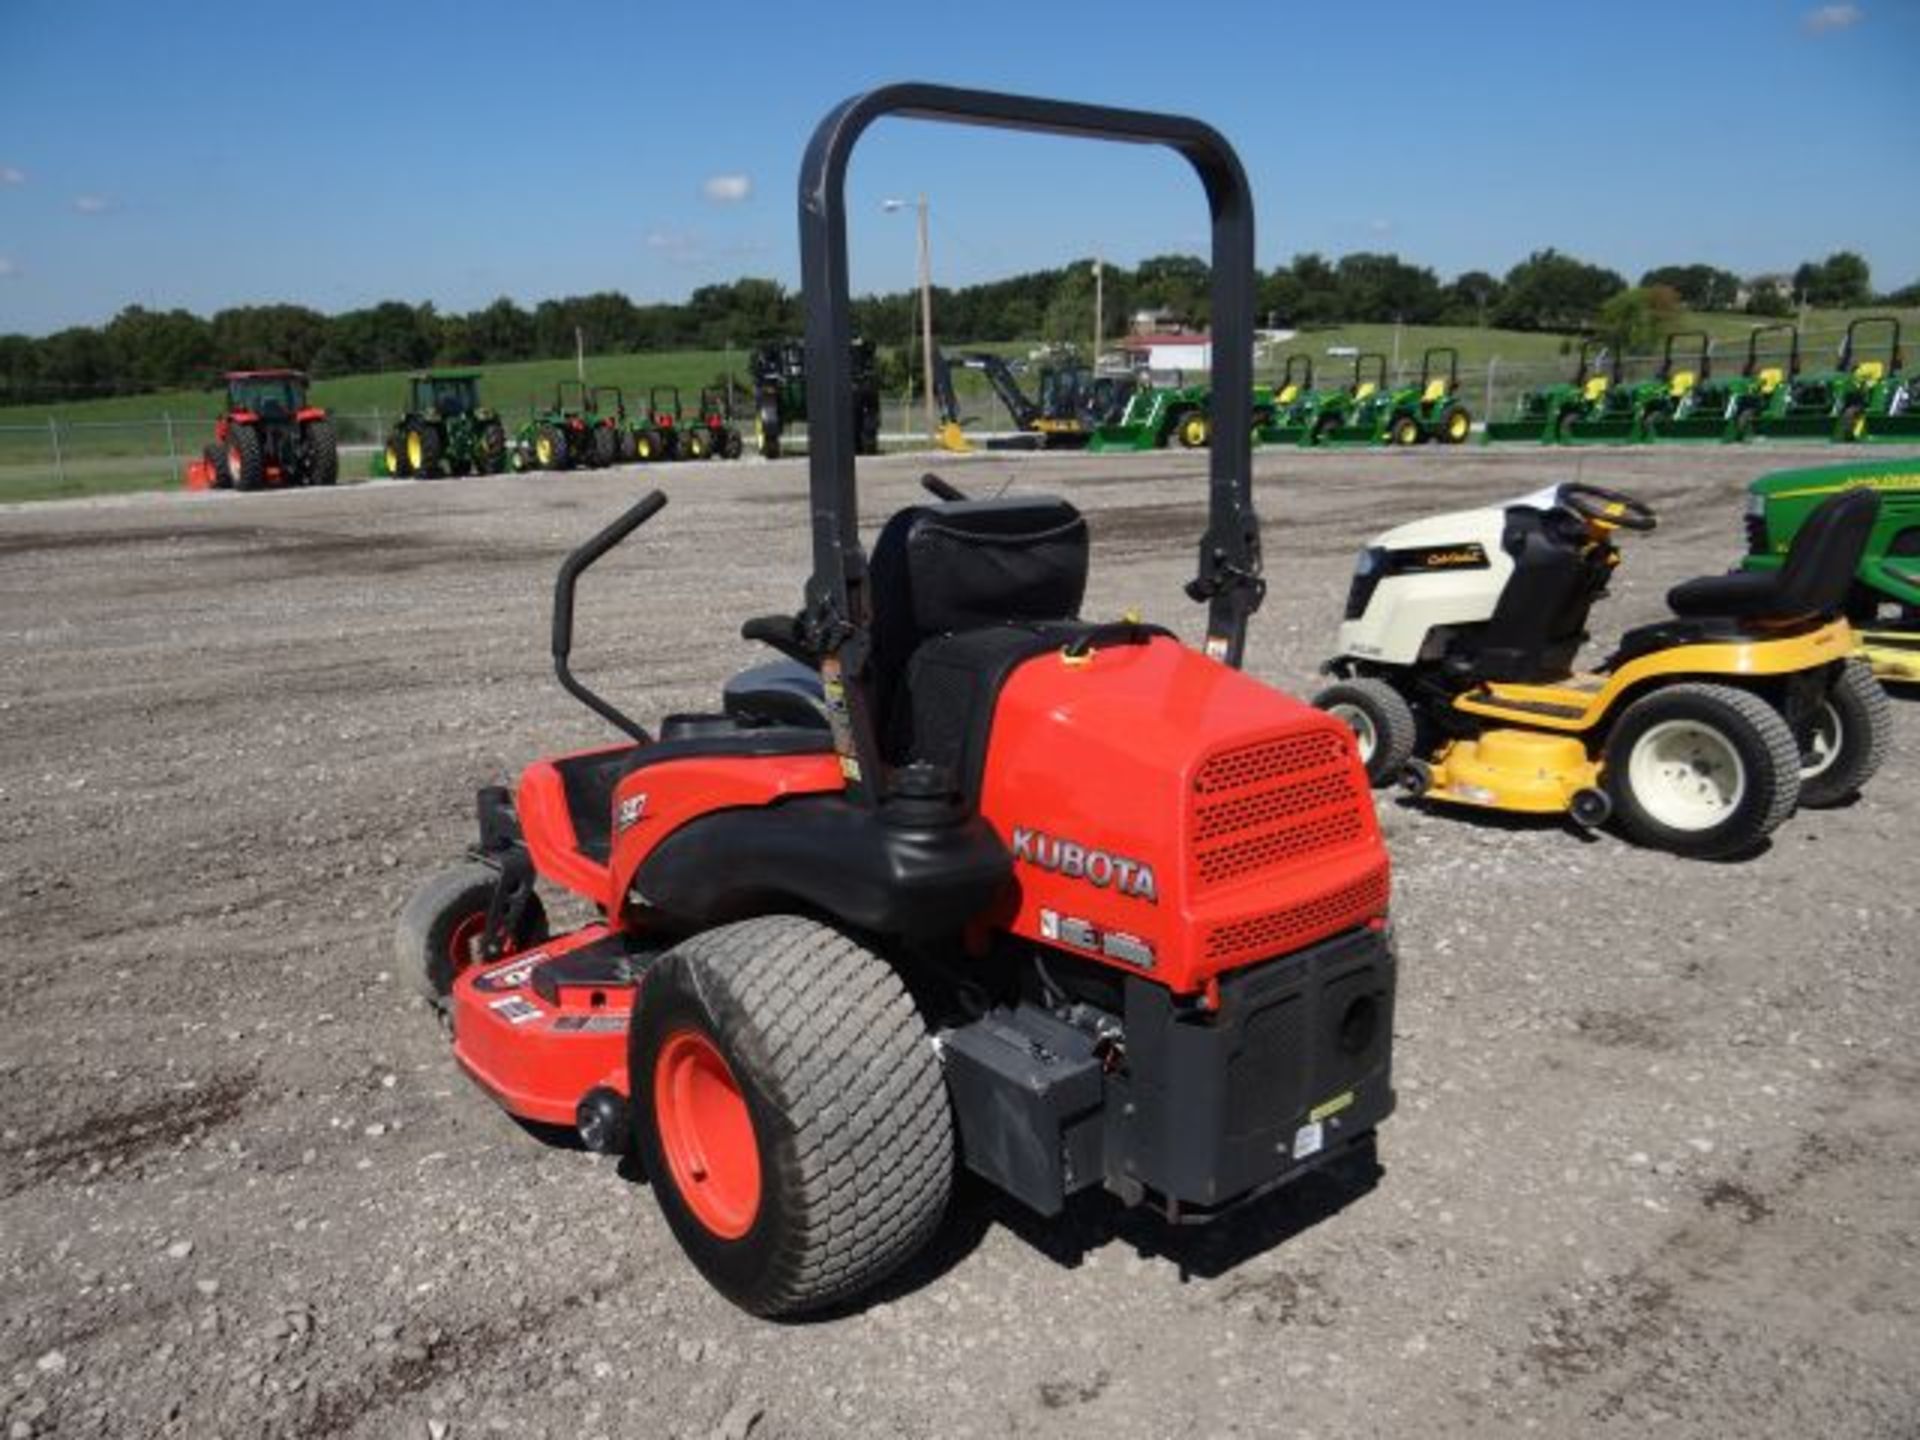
(967, 565)
(1822, 559)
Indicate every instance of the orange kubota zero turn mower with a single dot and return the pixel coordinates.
(964, 879)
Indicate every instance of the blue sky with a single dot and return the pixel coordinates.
(165, 153)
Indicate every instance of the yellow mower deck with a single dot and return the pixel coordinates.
(1894, 655)
(1544, 754)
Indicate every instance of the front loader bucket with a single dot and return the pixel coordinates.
(952, 438)
(1903, 427)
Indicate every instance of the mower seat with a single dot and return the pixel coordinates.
(1813, 581)
(780, 692)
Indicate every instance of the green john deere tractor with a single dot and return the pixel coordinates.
(780, 394)
(666, 435)
(1884, 605)
(612, 436)
(1288, 419)
(715, 421)
(1357, 414)
(1669, 395)
(1855, 400)
(1630, 413)
(566, 434)
(1725, 408)
(1153, 416)
(1430, 410)
(445, 430)
(1541, 411)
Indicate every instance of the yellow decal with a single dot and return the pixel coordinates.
(1909, 481)
(1438, 559)
(1330, 1107)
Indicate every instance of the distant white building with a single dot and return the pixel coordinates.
(1169, 351)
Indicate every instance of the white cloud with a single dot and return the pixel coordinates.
(1380, 227)
(92, 204)
(727, 189)
(12, 175)
(1823, 18)
(7, 267)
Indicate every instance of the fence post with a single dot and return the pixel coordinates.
(59, 465)
(173, 454)
(1492, 365)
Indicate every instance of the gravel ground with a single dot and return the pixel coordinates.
(1654, 1164)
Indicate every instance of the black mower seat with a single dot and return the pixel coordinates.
(1814, 580)
(780, 692)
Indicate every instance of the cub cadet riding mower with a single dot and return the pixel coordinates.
(267, 436)
(1884, 604)
(445, 430)
(1699, 734)
(963, 879)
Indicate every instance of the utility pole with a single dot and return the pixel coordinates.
(1099, 311)
(926, 312)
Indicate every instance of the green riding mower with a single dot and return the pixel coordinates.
(1855, 400)
(1154, 417)
(1884, 604)
(1542, 412)
(1356, 415)
(563, 435)
(445, 430)
(1726, 408)
(1429, 410)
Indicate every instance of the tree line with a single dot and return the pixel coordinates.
(141, 351)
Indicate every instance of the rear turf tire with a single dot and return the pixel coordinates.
(1406, 431)
(438, 933)
(1456, 425)
(1850, 741)
(322, 446)
(394, 456)
(216, 462)
(698, 445)
(605, 446)
(1701, 770)
(246, 469)
(550, 448)
(425, 447)
(833, 1117)
(490, 449)
(1382, 722)
(732, 446)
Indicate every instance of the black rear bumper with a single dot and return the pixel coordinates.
(1195, 1109)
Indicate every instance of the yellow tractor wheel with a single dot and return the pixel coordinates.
(416, 452)
(1406, 431)
(394, 466)
(543, 451)
(1459, 425)
(1194, 431)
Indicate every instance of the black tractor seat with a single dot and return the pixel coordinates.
(590, 780)
(780, 692)
(1809, 588)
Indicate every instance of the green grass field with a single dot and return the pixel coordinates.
(124, 444)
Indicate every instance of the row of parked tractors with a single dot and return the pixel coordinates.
(1866, 394)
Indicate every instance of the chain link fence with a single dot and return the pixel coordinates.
(56, 457)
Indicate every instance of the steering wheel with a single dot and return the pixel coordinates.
(1609, 508)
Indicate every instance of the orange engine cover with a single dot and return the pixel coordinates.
(1172, 816)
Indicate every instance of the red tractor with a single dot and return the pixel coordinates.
(269, 436)
(964, 878)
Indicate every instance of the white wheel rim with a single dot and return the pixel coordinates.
(1361, 724)
(1823, 745)
(1687, 775)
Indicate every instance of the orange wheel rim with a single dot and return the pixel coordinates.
(463, 945)
(706, 1132)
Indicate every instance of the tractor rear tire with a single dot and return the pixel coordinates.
(768, 435)
(605, 446)
(790, 1112)
(1455, 427)
(550, 448)
(731, 447)
(697, 444)
(394, 456)
(1405, 431)
(1192, 430)
(245, 467)
(490, 449)
(216, 462)
(322, 447)
(627, 446)
(425, 446)
(646, 447)
(440, 927)
(1382, 722)
(1706, 771)
(1850, 740)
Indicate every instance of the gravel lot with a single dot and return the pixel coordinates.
(1653, 1169)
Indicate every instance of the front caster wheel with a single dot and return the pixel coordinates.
(1851, 734)
(439, 931)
